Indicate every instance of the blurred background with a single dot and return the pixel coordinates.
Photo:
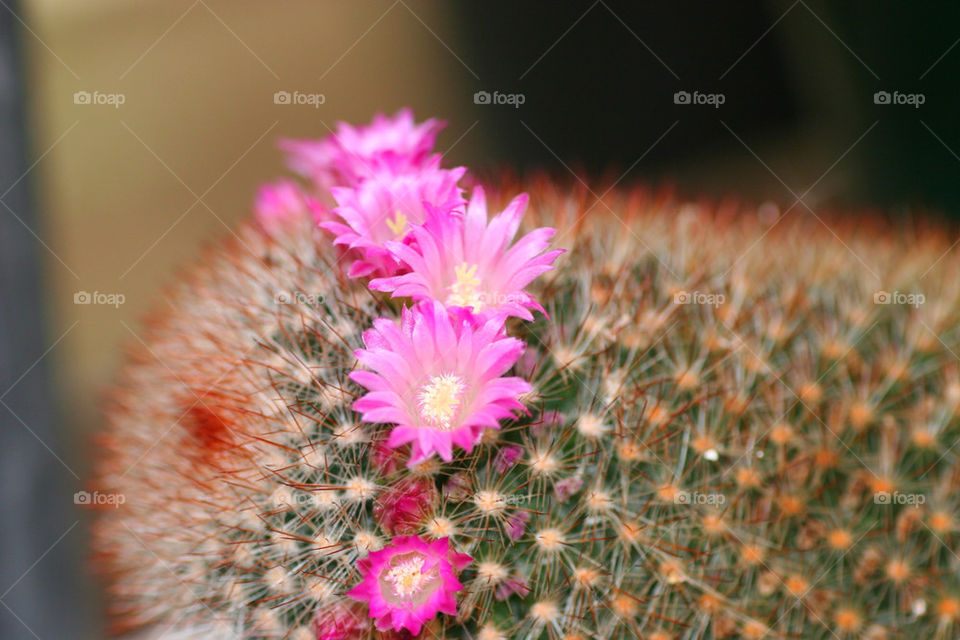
(135, 132)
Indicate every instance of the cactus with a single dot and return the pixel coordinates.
(734, 425)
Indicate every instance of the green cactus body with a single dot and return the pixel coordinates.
(727, 438)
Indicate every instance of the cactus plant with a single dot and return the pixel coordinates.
(724, 423)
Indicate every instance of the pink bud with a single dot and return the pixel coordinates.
(553, 418)
(517, 524)
(458, 486)
(527, 364)
(386, 460)
(507, 457)
(510, 586)
(280, 202)
(565, 488)
(341, 621)
(548, 420)
(401, 508)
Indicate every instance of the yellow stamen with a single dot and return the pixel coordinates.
(463, 293)
(440, 398)
(398, 224)
(407, 577)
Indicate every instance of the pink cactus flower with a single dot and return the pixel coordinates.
(438, 377)
(385, 208)
(409, 582)
(466, 261)
(280, 202)
(351, 154)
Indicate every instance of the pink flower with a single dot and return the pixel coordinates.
(352, 154)
(439, 378)
(466, 261)
(404, 506)
(409, 582)
(385, 208)
(279, 202)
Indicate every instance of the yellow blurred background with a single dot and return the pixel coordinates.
(129, 192)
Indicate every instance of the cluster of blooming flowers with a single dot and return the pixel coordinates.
(438, 377)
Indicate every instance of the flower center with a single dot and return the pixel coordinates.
(440, 398)
(397, 224)
(463, 292)
(407, 577)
